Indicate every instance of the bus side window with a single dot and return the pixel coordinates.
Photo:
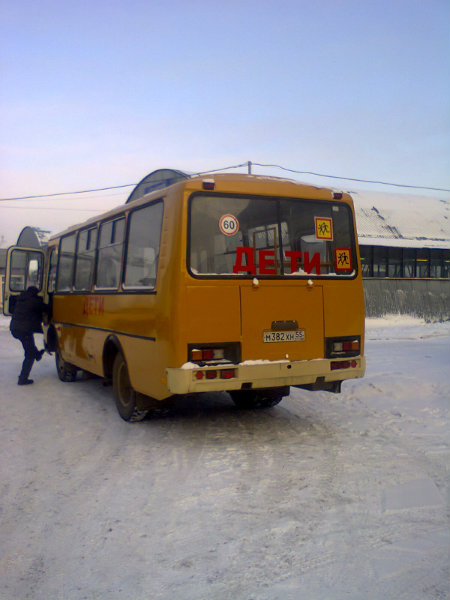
(65, 265)
(144, 236)
(110, 249)
(51, 283)
(84, 267)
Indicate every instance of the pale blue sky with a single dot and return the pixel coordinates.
(98, 93)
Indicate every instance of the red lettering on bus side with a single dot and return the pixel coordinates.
(94, 305)
(100, 305)
(249, 267)
(314, 262)
(295, 256)
(267, 262)
(87, 308)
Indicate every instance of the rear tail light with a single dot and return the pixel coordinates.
(217, 353)
(343, 364)
(215, 374)
(203, 354)
(343, 347)
(228, 374)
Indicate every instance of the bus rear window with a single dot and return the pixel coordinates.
(274, 237)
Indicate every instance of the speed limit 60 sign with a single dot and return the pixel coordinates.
(228, 225)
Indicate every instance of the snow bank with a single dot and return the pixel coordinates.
(403, 327)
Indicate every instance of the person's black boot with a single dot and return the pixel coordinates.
(24, 374)
(25, 381)
(39, 355)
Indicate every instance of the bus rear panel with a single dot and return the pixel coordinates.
(273, 293)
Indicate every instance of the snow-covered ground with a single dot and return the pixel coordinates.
(322, 497)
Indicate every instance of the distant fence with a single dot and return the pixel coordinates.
(428, 299)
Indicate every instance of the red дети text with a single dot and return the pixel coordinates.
(245, 261)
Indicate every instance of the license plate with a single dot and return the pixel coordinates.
(284, 336)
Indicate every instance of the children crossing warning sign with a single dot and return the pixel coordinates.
(342, 259)
(324, 228)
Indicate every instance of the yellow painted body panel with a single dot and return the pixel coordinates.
(212, 312)
(344, 309)
(281, 301)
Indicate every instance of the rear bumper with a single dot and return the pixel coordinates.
(260, 374)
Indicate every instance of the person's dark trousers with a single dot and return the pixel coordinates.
(31, 353)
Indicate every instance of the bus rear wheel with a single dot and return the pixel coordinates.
(265, 398)
(124, 395)
(66, 371)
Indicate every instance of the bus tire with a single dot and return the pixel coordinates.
(256, 398)
(124, 395)
(66, 371)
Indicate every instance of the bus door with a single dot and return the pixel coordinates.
(283, 321)
(24, 268)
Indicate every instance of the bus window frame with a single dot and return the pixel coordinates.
(94, 271)
(116, 289)
(28, 260)
(282, 277)
(60, 254)
(143, 289)
(53, 252)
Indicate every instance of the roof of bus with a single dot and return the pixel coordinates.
(257, 184)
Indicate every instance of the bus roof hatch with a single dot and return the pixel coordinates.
(156, 180)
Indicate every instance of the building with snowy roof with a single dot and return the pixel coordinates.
(403, 235)
(405, 253)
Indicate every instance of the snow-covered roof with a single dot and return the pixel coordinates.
(402, 220)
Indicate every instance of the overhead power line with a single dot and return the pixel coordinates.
(113, 187)
(52, 208)
(250, 164)
(247, 164)
(403, 185)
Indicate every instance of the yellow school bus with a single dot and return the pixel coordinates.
(222, 282)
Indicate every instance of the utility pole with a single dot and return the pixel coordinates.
(249, 165)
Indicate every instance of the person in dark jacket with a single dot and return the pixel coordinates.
(27, 312)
